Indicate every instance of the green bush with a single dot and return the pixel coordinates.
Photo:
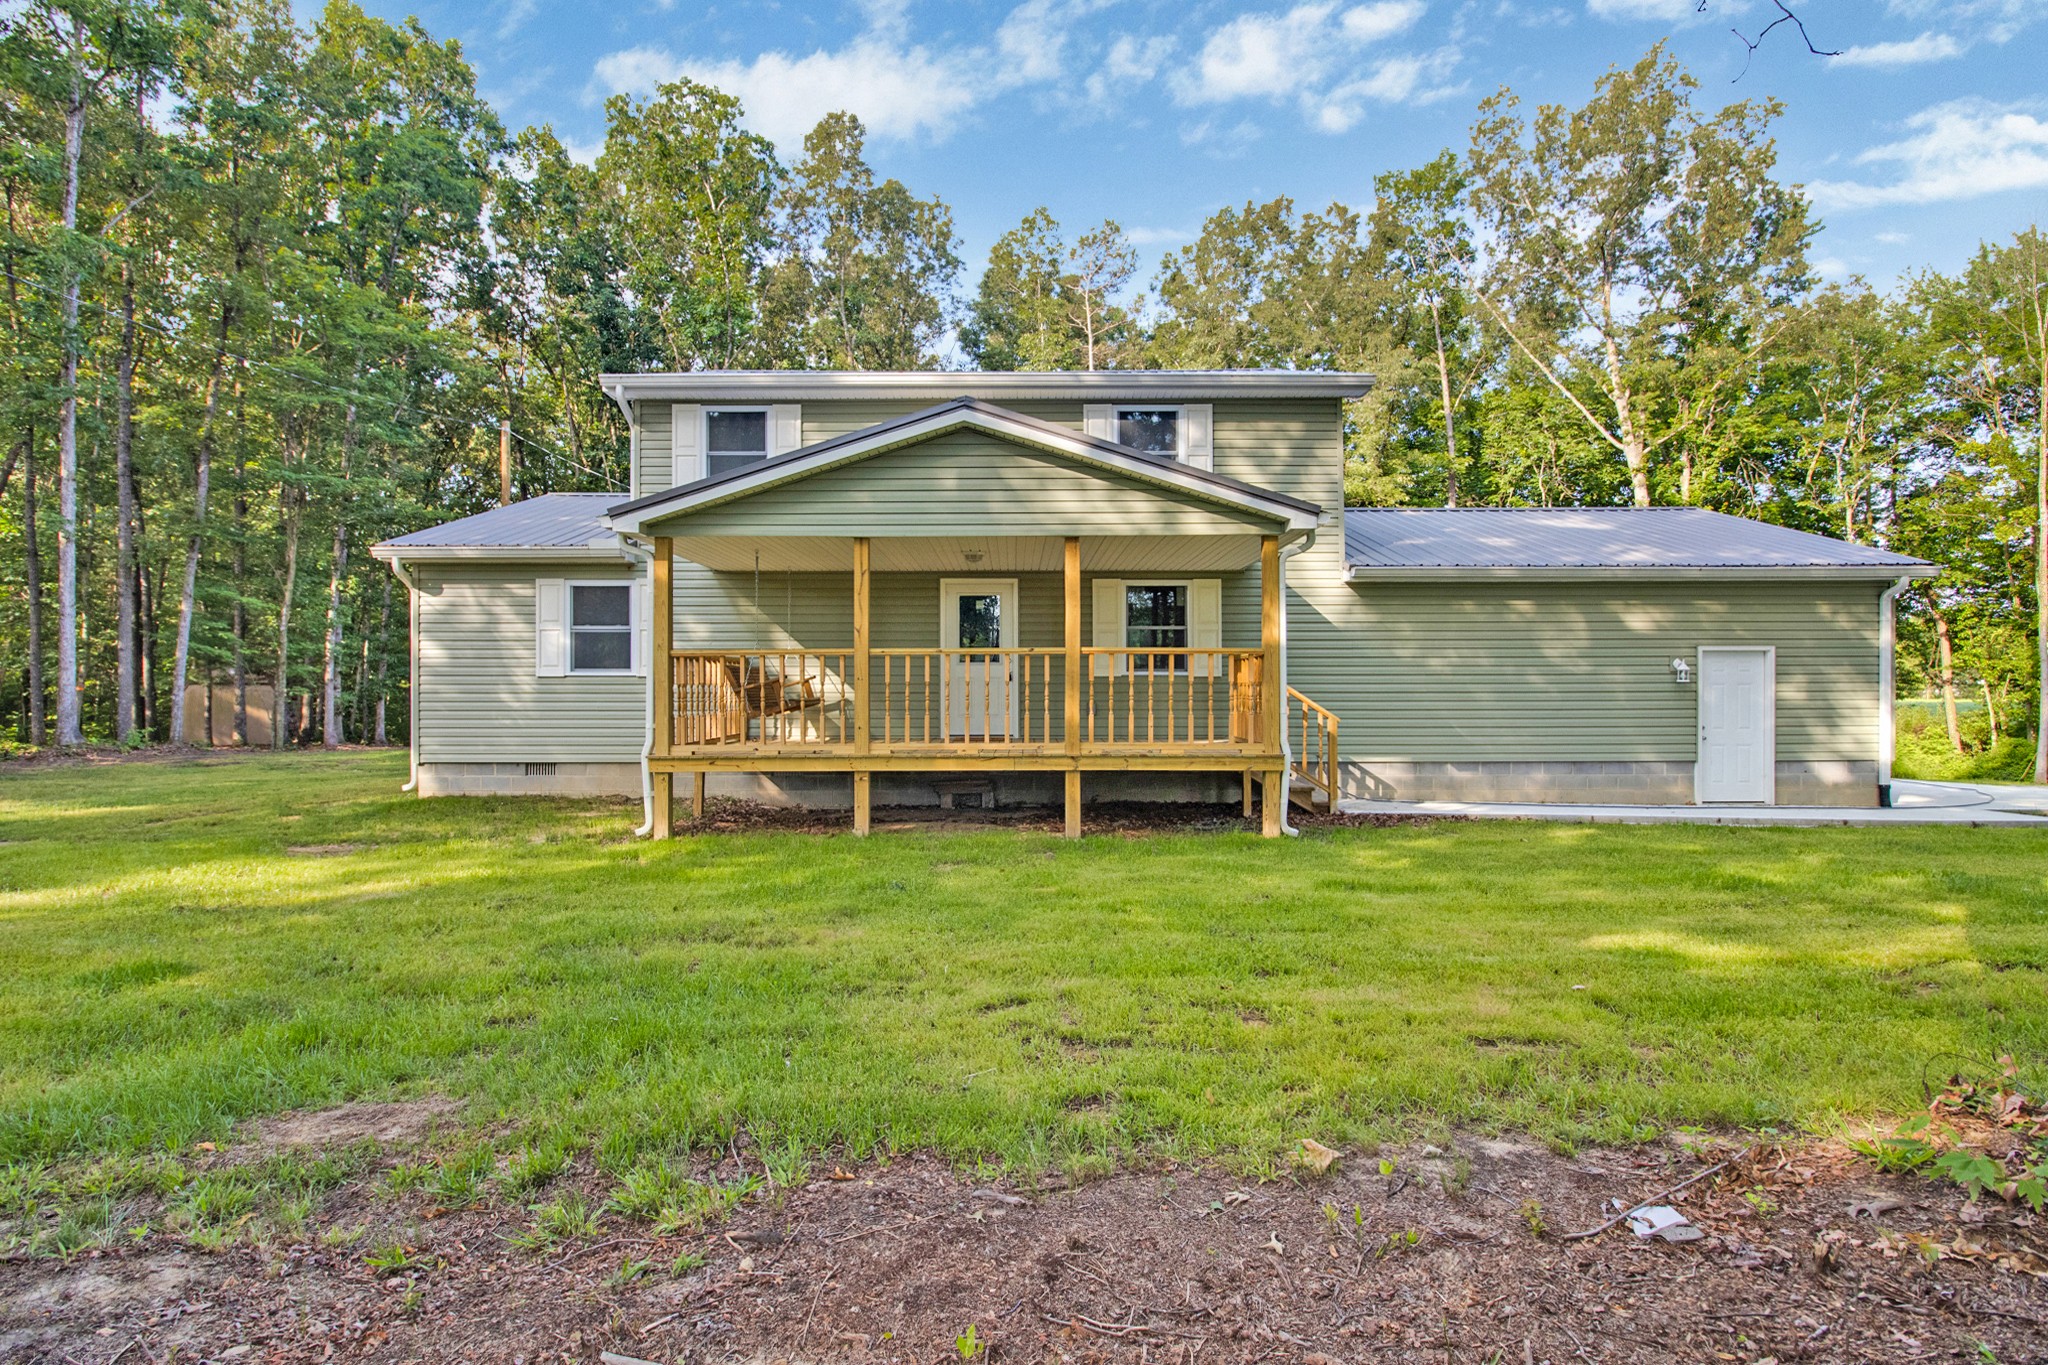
(1925, 753)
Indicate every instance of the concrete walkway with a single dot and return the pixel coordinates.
(1913, 803)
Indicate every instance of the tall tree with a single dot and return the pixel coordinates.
(694, 195)
(1640, 251)
(864, 272)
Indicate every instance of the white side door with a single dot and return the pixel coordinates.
(976, 617)
(1738, 720)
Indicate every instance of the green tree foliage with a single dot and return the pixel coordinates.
(1049, 304)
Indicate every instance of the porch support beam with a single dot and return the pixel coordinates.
(1072, 682)
(1274, 701)
(863, 781)
(661, 585)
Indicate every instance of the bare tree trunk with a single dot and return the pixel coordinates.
(1990, 714)
(127, 712)
(37, 734)
(1945, 647)
(383, 659)
(241, 621)
(69, 728)
(280, 688)
(2041, 545)
(330, 673)
(1443, 379)
(188, 593)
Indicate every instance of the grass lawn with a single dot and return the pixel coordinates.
(168, 966)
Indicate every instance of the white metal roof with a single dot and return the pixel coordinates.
(796, 386)
(551, 526)
(1422, 542)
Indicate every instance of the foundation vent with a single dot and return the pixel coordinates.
(540, 770)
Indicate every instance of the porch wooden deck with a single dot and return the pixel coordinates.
(1071, 709)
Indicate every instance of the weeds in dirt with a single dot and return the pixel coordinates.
(1532, 1217)
(535, 1167)
(969, 1343)
(397, 1256)
(558, 1220)
(629, 1270)
(459, 1183)
(687, 1262)
(408, 1176)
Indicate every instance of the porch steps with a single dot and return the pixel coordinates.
(1306, 794)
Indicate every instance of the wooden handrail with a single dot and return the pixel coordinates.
(1315, 750)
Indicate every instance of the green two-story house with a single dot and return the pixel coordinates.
(835, 588)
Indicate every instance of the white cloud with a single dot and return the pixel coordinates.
(1130, 63)
(1303, 54)
(1928, 47)
(1673, 11)
(1894, 238)
(1398, 80)
(899, 89)
(1996, 21)
(1959, 150)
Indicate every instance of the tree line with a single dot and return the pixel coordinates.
(276, 291)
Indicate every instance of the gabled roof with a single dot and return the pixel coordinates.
(955, 415)
(1568, 542)
(552, 526)
(797, 386)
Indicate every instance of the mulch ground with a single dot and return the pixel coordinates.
(1413, 1254)
(1131, 819)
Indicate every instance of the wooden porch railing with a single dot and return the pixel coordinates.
(1315, 745)
(1166, 701)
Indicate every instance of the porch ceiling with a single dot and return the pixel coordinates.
(972, 554)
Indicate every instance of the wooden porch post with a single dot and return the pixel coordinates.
(862, 720)
(661, 583)
(1273, 701)
(1072, 684)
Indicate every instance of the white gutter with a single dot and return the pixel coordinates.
(794, 386)
(1887, 682)
(1394, 573)
(412, 671)
(645, 555)
(1288, 552)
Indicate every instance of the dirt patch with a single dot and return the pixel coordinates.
(1127, 818)
(322, 850)
(1423, 1253)
(401, 1123)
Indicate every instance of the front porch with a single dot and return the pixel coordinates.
(979, 704)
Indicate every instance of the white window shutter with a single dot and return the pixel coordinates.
(1197, 437)
(1098, 420)
(550, 628)
(785, 428)
(641, 626)
(1205, 621)
(1109, 625)
(685, 428)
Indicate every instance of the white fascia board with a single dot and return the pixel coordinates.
(1079, 447)
(1438, 573)
(796, 386)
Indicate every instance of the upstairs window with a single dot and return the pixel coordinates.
(734, 438)
(600, 628)
(1156, 431)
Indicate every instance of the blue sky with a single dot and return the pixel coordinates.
(1928, 134)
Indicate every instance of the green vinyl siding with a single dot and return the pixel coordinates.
(1295, 448)
(656, 469)
(964, 480)
(1551, 671)
(478, 698)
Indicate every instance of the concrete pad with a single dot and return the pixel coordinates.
(1913, 803)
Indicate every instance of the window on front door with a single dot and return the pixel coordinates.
(1156, 617)
(734, 438)
(1155, 431)
(981, 620)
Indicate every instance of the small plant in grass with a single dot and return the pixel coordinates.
(212, 1202)
(397, 1256)
(1532, 1217)
(1458, 1179)
(22, 1188)
(407, 1176)
(629, 1270)
(535, 1167)
(698, 1203)
(458, 1184)
(788, 1165)
(558, 1220)
(341, 1235)
(90, 1226)
(412, 1302)
(1907, 1149)
(648, 1190)
(969, 1343)
(687, 1262)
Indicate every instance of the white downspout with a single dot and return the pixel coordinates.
(412, 678)
(645, 556)
(1288, 552)
(1887, 684)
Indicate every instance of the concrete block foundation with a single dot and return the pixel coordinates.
(1641, 782)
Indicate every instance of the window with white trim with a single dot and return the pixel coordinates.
(1156, 617)
(1156, 431)
(600, 628)
(734, 438)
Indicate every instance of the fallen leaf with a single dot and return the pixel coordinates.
(1273, 1245)
(1315, 1156)
(1235, 1197)
(839, 1174)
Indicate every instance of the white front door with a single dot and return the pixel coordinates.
(978, 616)
(1738, 753)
